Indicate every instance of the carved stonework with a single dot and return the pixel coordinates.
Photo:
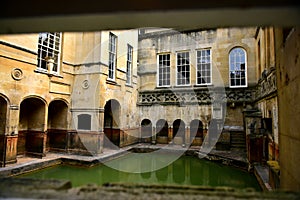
(17, 74)
(266, 86)
(85, 84)
(197, 96)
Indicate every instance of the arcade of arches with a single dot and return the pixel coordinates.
(44, 128)
(177, 132)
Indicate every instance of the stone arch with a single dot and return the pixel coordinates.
(35, 97)
(32, 126)
(3, 114)
(162, 131)
(112, 112)
(57, 125)
(196, 132)
(179, 131)
(237, 45)
(146, 130)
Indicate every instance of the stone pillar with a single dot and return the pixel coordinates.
(140, 139)
(153, 135)
(45, 131)
(11, 136)
(187, 136)
(100, 142)
(170, 129)
(13, 120)
(101, 131)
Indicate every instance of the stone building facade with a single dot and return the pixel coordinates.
(57, 92)
(288, 81)
(266, 94)
(187, 79)
(83, 92)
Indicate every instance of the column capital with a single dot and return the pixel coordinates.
(14, 107)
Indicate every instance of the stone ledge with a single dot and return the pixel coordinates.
(60, 190)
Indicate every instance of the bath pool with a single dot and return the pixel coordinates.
(187, 170)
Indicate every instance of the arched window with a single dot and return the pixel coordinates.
(238, 67)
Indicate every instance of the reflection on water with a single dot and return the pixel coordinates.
(185, 171)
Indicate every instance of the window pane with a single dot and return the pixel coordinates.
(112, 56)
(203, 66)
(164, 69)
(48, 47)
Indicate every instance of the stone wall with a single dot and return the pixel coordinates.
(182, 102)
(36, 100)
(288, 76)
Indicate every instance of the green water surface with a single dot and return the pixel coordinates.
(187, 170)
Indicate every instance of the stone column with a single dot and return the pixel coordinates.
(101, 131)
(153, 135)
(187, 135)
(45, 131)
(13, 120)
(170, 134)
(11, 135)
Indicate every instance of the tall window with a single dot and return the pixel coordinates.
(49, 51)
(183, 68)
(129, 64)
(164, 70)
(238, 67)
(112, 56)
(204, 67)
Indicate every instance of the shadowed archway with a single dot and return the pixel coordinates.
(32, 136)
(112, 111)
(196, 132)
(3, 115)
(162, 129)
(146, 130)
(57, 125)
(179, 131)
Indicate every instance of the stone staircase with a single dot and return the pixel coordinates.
(238, 140)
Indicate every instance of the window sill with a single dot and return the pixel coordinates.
(203, 85)
(163, 87)
(112, 82)
(46, 72)
(128, 85)
(238, 86)
(182, 86)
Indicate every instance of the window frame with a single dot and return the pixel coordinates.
(114, 54)
(129, 64)
(210, 67)
(40, 57)
(245, 70)
(176, 71)
(158, 73)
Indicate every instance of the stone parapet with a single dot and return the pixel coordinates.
(199, 96)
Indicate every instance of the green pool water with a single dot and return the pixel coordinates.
(187, 170)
